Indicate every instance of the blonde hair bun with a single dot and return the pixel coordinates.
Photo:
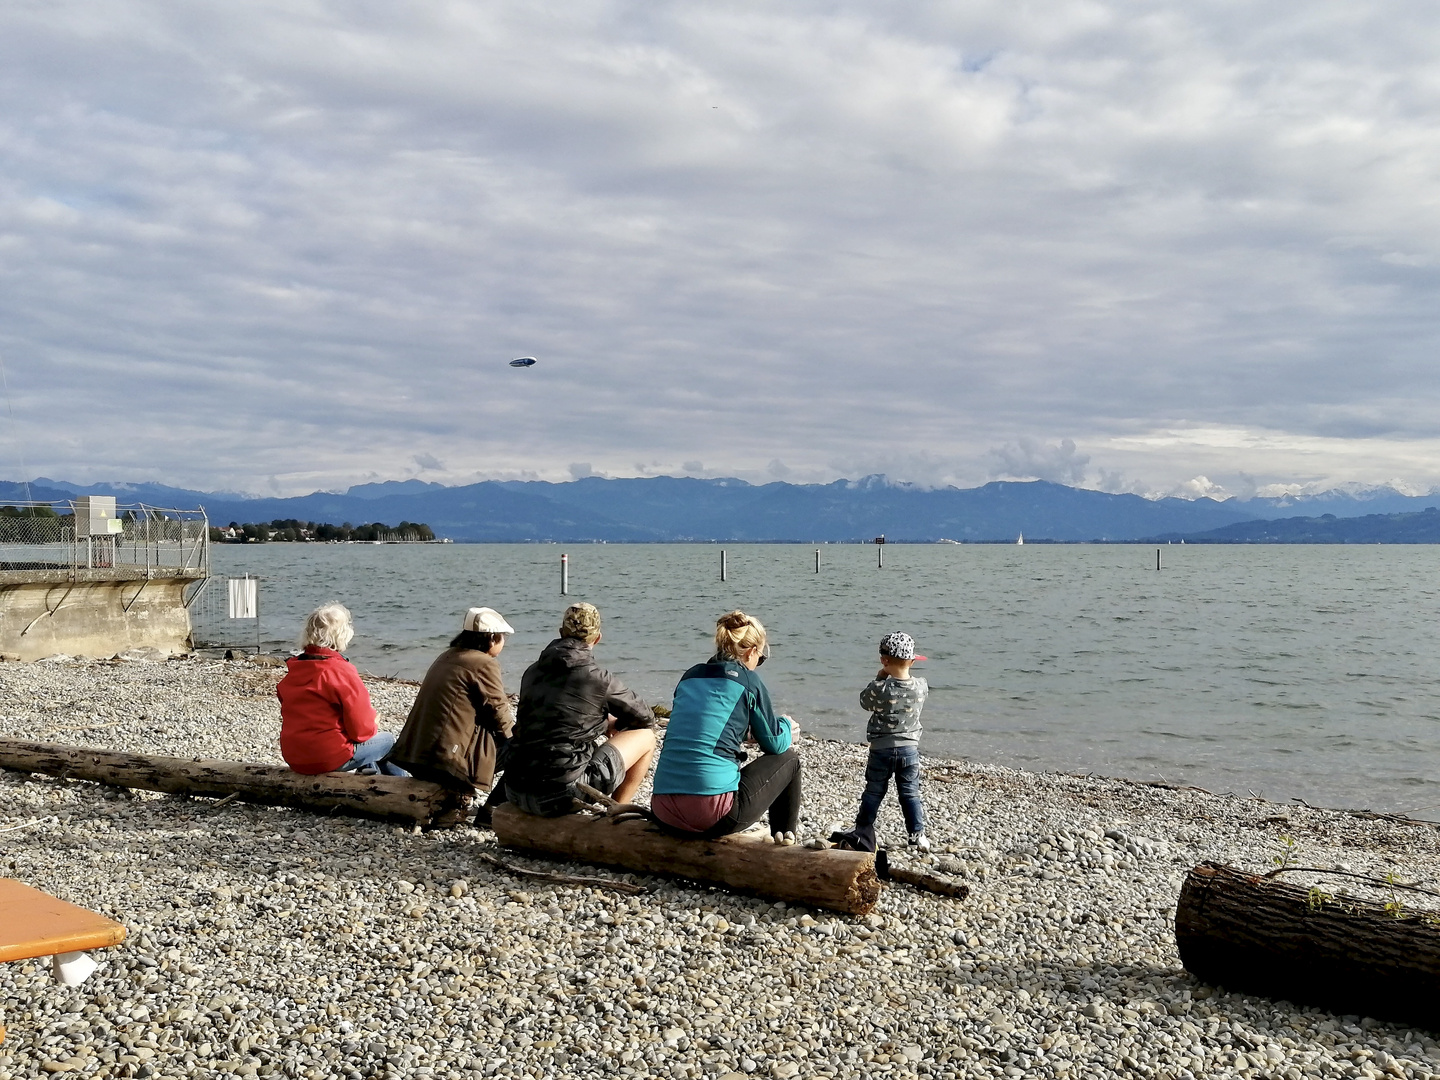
(737, 633)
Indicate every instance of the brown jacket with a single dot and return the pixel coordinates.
(450, 734)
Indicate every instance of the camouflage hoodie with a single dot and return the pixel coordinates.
(894, 706)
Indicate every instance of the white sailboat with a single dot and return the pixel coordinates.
(1020, 539)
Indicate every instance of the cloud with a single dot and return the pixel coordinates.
(1028, 459)
(1201, 487)
(580, 470)
(1117, 483)
(778, 469)
(824, 235)
(429, 462)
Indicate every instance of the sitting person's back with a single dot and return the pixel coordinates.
(461, 718)
(327, 723)
(701, 788)
(566, 700)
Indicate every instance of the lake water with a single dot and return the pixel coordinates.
(1286, 671)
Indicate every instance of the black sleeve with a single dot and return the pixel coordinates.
(628, 707)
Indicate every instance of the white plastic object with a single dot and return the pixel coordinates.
(72, 968)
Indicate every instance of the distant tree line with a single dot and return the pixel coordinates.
(32, 524)
(29, 512)
(292, 530)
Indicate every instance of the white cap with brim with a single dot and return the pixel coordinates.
(487, 620)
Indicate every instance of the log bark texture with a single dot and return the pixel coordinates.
(838, 880)
(1269, 937)
(387, 798)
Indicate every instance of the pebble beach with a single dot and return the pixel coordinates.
(272, 942)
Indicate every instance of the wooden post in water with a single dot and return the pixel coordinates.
(564, 575)
(817, 560)
(1157, 558)
(722, 565)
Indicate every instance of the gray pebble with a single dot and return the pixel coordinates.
(253, 930)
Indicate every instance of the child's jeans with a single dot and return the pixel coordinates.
(903, 763)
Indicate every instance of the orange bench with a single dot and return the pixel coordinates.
(33, 924)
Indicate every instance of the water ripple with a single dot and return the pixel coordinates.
(1305, 672)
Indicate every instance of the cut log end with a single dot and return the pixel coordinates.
(864, 893)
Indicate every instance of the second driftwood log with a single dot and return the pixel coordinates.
(388, 798)
(1260, 935)
(833, 879)
(913, 876)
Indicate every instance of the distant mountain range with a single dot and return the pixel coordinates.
(668, 508)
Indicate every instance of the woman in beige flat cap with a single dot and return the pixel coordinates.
(461, 720)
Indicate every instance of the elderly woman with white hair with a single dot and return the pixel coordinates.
(327, 723)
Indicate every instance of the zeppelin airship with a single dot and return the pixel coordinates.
(523, 361)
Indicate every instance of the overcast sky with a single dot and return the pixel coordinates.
(281, 246)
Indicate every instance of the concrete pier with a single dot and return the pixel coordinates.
(94, 612)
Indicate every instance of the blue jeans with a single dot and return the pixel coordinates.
(369, 756)
(903, 763)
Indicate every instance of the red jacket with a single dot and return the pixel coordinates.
(324, 710)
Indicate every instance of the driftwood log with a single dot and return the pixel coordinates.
(838, 880)
(388, 798)
(1261, 935)
(920, 879)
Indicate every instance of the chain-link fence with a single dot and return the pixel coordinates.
(218, 623)
(134, 539)
(35, 537)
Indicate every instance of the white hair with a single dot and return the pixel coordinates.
(328, 626)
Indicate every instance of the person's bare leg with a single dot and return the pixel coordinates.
(637, 748)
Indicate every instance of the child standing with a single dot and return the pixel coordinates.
(894, 698)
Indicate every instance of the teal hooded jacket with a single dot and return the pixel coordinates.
(716, 705)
